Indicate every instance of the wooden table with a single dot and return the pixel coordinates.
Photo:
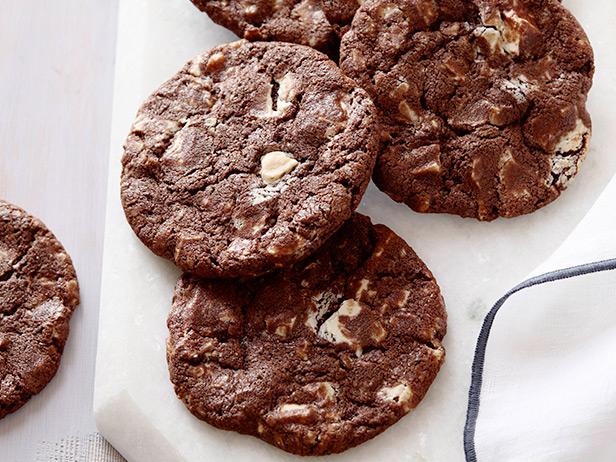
(56, 81)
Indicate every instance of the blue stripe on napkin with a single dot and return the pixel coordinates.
(474, 394)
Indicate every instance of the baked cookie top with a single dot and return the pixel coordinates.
(38, 293)
(315, 23)
(248, 159)
(316, 358)
(482, 102)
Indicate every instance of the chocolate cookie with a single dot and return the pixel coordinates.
(315, 358)
(483, 101)
(38, 293)
(248, 159)
(316, 23)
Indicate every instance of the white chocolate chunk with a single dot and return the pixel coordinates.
(330, 391)
(144, 123)
(6, 256)
(322, 302)
(345, 105)
(492, 36)
(402, 88)
(210, 122)
(565, 168)
(378, 333)
(276, 164)
(408, 113)
(195, 68)
(500, 35)
(259, 225)
(281, 331)
(574, 140)
(333, 331)
(45, 312)
(284, 329)
(510, 42)
(287, 86)
(250, 9)
(216, 60)
(287, 90)
(324, 391)
(433, 166)
(362, 288)
(506, 158)
(513, 16)
(519, 87)
(349, 308)
(400, 393)
(286, 249)
(405, 298)
(291, 410)
(312, 320)
(387, 11)
(239, 247)
(238, 223)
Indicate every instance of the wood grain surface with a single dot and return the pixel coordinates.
(56, 80)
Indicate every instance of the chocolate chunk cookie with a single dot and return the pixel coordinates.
(38, 293)
(315, 358)
(316, 23)
(483, 101)
(248, 159)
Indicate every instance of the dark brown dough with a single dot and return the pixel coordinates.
(38, 293)
(315, 23)
(316, 358)
(248, 159)
(482, 102)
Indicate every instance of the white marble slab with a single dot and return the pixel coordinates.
(135, 406)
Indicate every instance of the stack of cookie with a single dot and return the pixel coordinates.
(297, 320)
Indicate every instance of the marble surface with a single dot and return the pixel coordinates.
(135, 406)
(56, 80)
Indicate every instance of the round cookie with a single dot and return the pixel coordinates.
(482, 102)
(316, 358)
(248, 159)
(315, 23)
(38, 293)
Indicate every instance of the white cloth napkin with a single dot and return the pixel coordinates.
(544, 375)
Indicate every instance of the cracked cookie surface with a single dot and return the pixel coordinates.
(248, 159)
(316, 358)
(482, 102)
(315, 23)
(38, 293)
